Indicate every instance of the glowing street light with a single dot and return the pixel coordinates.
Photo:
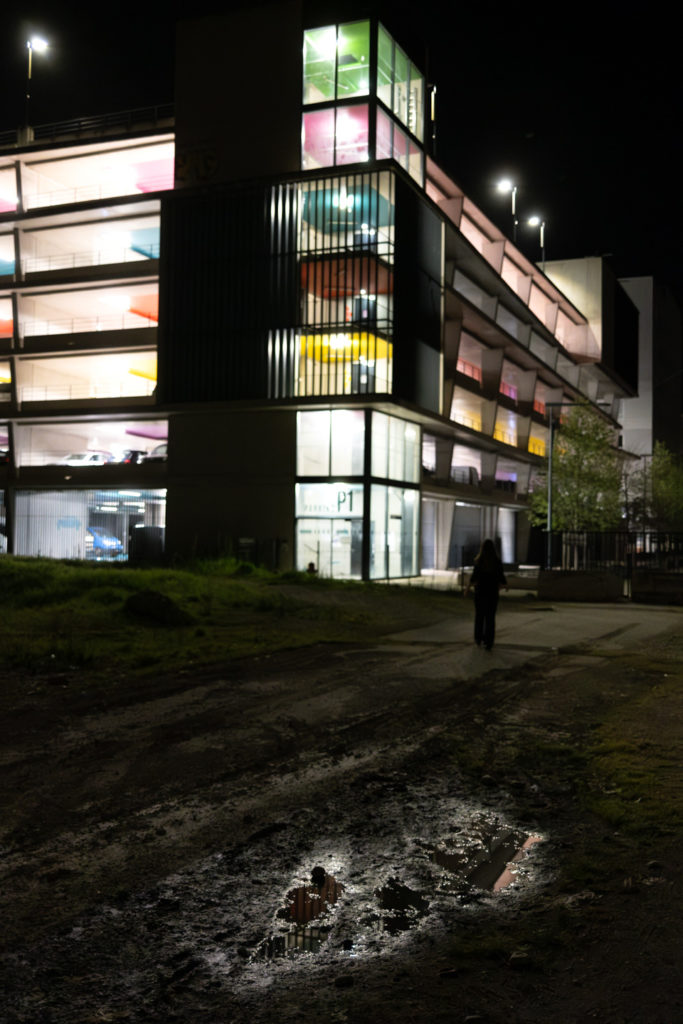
(538, 222)
(504, 186)
(37, 45)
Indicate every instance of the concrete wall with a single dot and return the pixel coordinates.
(652, 587)
(579, 585)
(231, 479)
(238, 94)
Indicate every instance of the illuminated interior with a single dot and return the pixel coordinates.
(505, 429)
(101, 525)
(340, 291)
(115, 170)
(6, 321)
(337, 68)
(8, 189)
(347, 363)
(6, 254)
(351, 212)
(336, 62)
(5, 381)
(466, 409)
(42, 444)
(336, 135)
(100, 242)
(96, 309)
(400, 86)
(66, 378)
(470, 357)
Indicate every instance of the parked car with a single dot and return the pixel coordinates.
(131, 456)
(103, 544)
(158, 454)
(86, 459)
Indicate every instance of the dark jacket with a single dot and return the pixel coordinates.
(488, 578)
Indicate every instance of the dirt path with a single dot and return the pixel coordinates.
(149, 843)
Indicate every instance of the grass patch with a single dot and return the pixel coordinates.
(67, 615)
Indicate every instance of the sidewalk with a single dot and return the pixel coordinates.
(524, 634)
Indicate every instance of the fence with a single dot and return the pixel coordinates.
(621, 552)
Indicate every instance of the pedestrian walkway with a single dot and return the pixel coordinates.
(523, 634)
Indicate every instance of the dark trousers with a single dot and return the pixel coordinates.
(485, 617)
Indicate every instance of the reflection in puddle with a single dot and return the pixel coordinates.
(304, 904)
(485, 855)
(486, 860)
(405, 907)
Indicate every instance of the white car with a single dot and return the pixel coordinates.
(86, 459)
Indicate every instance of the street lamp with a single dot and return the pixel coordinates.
(37, 45)
(505, 186)
(538, 222)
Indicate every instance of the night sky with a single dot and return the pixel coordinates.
(580, 103)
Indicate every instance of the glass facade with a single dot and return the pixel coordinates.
(339, 67)
(344, 252)
(394, 531)
(337, 62)
(395, 448)
(102, 525)
(337, 135)
(329, 529)
(330, 443)
(331, 513)
(347, 248)
(100, 444)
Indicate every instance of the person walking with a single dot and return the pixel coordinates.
(487, 579)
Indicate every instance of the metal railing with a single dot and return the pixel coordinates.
(90, 193)
(101, 124)
(619, 551)
(82, 324)
(70, 261)
(71, 392)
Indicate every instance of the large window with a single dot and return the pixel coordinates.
(349, 212)
(99, 242)
(89, 443)
(395, 448)
(96, 309)
(114, 170)
(394, 530)
(330, 443)
(98, 525)
(337, 135)
(6, 255)
(392, 143)
(329, 531)
(337, 62)
(330, 528)
(129, 374)
(348, 363)
(400, 86)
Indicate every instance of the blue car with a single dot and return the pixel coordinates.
(103, 544)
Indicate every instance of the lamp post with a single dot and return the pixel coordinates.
(505, 186)
(35, 43)
(538, 222)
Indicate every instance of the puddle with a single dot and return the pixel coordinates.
(405, 907)
(486, 858)
(484, 855)
(304, 904)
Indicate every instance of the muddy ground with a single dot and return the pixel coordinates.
(160, 840)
